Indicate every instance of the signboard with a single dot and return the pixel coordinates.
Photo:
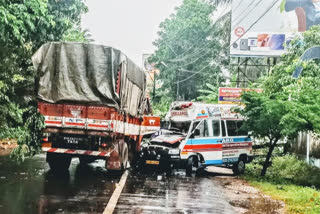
(232, 95)
(152, 72)
(175, 113)
(263, 28)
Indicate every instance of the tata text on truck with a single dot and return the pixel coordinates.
(94, 102)
(200, 135)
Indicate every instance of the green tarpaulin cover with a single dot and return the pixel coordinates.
(87, 74)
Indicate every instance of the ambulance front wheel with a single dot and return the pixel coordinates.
(192, 165)
(239, 167)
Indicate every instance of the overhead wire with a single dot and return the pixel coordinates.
(189, 63)
(197, 52)
(248, 12)
(202, 36)
(252, 25)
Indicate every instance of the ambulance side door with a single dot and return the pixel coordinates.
(207, 141)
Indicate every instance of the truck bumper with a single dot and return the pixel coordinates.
(76, 152)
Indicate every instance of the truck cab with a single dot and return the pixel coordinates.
(200, 135)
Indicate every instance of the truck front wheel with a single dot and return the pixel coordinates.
(58, 162)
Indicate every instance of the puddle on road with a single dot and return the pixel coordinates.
(32, 188)
(258, 205)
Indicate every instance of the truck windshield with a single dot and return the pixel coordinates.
(182, 127)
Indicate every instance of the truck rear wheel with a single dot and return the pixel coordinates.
(86, 160)
(125, 157)
(58, 162)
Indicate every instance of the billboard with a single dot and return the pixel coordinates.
(232, 95)
(262, 28)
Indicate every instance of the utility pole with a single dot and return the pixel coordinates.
(308, 147)
(177, 79)
(154, 86)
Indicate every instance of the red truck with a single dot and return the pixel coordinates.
(94, 102)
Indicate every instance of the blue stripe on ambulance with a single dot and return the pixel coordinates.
(213, 162)
(203, 141)
(218, 141)
(215, 141)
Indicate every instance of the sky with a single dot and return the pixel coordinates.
(128, 25)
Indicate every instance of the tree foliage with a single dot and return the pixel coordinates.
(191, 50)
(209, 95)
(24, 27)
(286, 105)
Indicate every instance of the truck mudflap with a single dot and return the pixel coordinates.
(113, 161)
(77, 152)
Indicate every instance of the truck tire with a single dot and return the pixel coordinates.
(58, 162)
(125, 157)
(239, 167)
(85, 160)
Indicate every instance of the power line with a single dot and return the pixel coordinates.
(189, 63)
(205, 34)
(231, 43)
(249, 5)
(254, 23)
(198, 51)
(177, 82)
(201, 49)
(245, 16)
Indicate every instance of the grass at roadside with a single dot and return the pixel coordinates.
(298, 199)
(290, 180)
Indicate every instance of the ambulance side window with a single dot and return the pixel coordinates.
(216, 128)
(203, 128)
(233, 127)
(223, 128)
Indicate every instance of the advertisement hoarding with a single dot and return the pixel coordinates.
(264, 27)
(232, 95)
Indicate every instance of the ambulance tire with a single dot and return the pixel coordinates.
(191, 162)
(58, 162)
(239, 167)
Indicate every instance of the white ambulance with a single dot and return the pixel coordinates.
(199, 135)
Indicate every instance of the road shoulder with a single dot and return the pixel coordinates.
(243, 197)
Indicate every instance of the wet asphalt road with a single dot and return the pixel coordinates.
(32, 188)
(154, 193)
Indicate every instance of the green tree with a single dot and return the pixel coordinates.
(191, 50)
(286, 105)
(24, 27)
(209, 95)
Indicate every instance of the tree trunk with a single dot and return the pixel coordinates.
(268, 157)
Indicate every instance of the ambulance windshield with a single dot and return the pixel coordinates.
(182, 126)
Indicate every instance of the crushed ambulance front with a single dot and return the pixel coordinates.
(163, 149)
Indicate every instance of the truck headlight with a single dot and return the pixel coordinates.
(174, 151)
